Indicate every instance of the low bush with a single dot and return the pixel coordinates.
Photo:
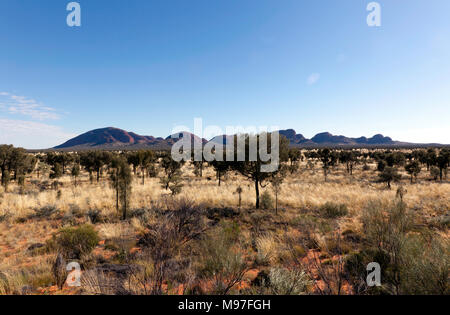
(95, 216)
(222, 261)
(46, 211)
(333, 210)
(266, 201)
(76, 242)
(4, 216)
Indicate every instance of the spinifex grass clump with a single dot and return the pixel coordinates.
(333, 210)
(74, 242)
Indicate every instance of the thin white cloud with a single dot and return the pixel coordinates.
(31, 135)
(22, 105)
(313, 78)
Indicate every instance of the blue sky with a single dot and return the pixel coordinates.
(148, 66)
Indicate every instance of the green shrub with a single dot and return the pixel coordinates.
(266, 200)
(414, 263)
(76, 242)
(427, 266)
(434, 172)
(337, 246)
(333, 210)
(231, 230)
(356, 263)
(222, 261)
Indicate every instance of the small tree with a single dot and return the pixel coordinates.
(434, 172)
(176, 183)
(6, 178)
(295, 155)
(276, 181)
(198, 168)
(413, 169)
(389, 175)
(172, 181)
(41, 169)
(442, 162)
(252, 169)
(5, 161)
(221, 169)
(64, 159)
(328, 158)
(348, 158)
(56, 171)
(430, 158)
(121, 180)
(239, 192)
(75, 173)
(198, 165)
(94, 161)
(146, 161)
(381, 165)
(21, 182)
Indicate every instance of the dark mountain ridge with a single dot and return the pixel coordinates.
(117, 139)
(114, 138)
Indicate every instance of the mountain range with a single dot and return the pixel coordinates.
(117, 139)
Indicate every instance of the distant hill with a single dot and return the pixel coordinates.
(327, 139)
(117, 139)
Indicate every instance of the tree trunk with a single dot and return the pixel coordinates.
(257, 193)
(125, 205)
(276, 203)
(3, 176)
(117, 191)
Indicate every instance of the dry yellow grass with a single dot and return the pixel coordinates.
(305, 190)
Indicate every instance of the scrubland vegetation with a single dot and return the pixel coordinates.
(140, 223)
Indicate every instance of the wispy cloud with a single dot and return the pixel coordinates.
(22, 105)
(31, 135)
(313, 78)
